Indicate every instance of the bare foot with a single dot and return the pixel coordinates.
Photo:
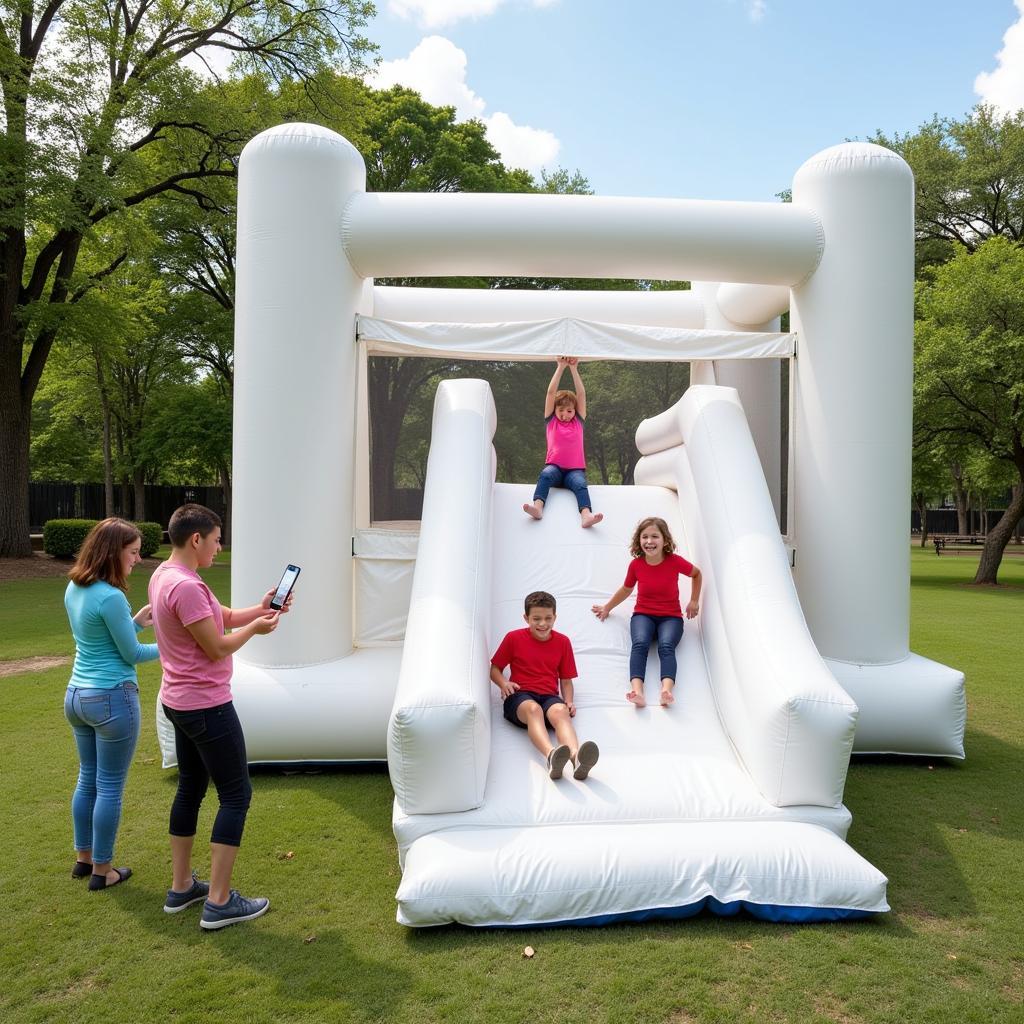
(533, 511)
(590, 519)
(667, 698)
(636, 699)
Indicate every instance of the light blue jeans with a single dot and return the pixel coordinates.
(106, 725)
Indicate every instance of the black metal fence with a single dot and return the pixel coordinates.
(85, 501)
(944, 520)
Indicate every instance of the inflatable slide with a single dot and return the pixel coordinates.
(730, 799)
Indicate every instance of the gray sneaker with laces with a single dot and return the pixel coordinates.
(236, 910)
(177, 901)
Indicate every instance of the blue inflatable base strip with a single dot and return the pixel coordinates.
(761, 911)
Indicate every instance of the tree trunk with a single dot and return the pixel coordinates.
(922, 510)
(139, 482)
(108, 463)
(15, 430)
(997, 539)
(960, 498)
(225, 486)
(1015, 494)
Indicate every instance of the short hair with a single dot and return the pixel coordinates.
(634, 545)
(99, 557)
(565, 398)
(189, 519)
(538, 599)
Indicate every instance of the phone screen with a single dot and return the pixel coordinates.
(291, 574)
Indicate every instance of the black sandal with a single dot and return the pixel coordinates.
(99, 882)
(81, 869)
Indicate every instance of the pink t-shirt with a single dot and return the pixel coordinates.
(565, 443)
(191, 680)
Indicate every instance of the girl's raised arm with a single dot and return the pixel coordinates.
(549, 398)
(581, 391)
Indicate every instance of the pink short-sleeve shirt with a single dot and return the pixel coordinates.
(190, 679)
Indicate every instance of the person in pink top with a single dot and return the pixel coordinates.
(196, 697)
(656, 568)
(565, 464)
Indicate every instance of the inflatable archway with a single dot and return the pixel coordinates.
(801, 654)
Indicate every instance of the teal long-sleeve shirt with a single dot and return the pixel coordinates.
(107, 647)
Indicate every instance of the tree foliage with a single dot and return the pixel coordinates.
(969, 382)
(970, 180)
(104, 109)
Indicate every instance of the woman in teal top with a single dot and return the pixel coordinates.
(102, 700)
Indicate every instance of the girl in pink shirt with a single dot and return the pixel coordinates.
(565, 464)
(657, 614)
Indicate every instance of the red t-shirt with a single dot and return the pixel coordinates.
(537, 665)
(659, 584)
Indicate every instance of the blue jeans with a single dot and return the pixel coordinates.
(642, 630)
(573, 479)
(210, 745)
(106, 725)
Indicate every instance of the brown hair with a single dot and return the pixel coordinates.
(538, 599)
(565, 398)
(634, 545)
(99, 557)
(190, 519)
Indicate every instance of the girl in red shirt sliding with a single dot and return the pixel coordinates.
(656, 568)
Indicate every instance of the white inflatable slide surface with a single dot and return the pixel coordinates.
(729, 800)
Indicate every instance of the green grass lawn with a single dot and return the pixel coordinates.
(950, 837)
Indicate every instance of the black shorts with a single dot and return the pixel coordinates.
(546, 701)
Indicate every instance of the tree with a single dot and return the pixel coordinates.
(969, 385)
(102, 113)
(970, 180)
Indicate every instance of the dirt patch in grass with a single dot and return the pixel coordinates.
(39, 566)
(40, 664)
(42, 566)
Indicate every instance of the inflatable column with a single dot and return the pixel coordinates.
(758, 381)
(852, 424)
(295, 388)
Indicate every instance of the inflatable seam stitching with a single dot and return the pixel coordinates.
(346, 234)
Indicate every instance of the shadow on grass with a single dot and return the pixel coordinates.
(911, 817)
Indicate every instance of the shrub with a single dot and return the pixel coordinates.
(63, 537)
(152, 535)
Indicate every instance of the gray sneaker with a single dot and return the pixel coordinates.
(586, 758)
(557, 758)
(180, 900)
(237, 909)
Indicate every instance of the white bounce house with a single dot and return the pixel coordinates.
(733, 797)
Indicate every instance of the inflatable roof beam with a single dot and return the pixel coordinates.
(406, 234)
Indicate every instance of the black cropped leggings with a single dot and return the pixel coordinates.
(210, 745)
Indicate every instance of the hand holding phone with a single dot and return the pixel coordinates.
(284, 588)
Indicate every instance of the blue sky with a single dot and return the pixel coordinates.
(702, 99)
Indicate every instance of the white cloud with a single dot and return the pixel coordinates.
(757, 9)
(436, 69)
(519, 144)
(438, 13)
(1004, 87)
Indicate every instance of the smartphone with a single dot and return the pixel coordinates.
(284, 588)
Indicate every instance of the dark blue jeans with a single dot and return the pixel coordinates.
(573, 479)
(210, 745)
(642, 630)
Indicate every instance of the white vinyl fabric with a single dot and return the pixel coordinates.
(658, 767)
(545, 340)
(570, 874)
(385, 560)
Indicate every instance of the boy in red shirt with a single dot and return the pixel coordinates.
(540, 690)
